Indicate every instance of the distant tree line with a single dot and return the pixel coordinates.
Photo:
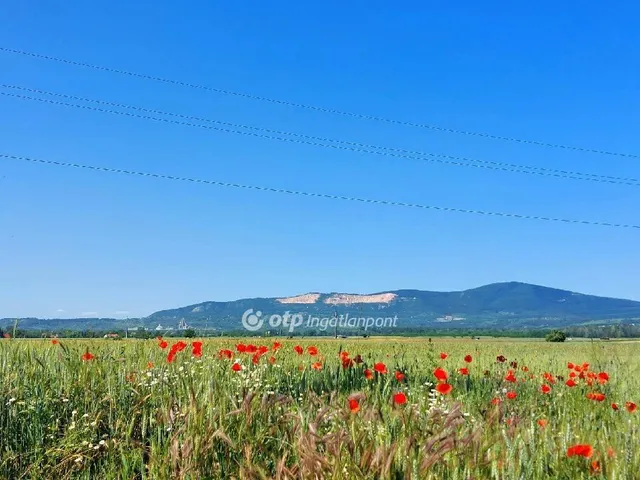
(618, 330)
(584, 331)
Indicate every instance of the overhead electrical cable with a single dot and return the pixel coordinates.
(316, 141)
(315, 194)
(313, 107)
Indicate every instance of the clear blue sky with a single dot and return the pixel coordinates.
(76, 242)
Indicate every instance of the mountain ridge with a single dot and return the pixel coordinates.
(497, 305)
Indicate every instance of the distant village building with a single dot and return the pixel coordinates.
(449, 318)
(160, 328)
(113, 336)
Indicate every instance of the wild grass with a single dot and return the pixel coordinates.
(129, 414)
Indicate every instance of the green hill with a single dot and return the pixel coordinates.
(510, 305)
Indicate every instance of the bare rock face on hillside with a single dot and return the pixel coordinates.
(348, 299)
(339, 298)
(307, 298)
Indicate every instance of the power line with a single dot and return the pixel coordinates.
(315, 141)
(315, 108)
(321, 139)
(314, 194)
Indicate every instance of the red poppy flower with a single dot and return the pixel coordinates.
(496, 401)
(510, 377)
(598, 397)
(512, 395)
(358, 359)
(347, 362)
(368, 374)
(316, 366)
(631, 407)
(444, 388)
(400, 398)
(543, 422)
(501, 358)
(354, 406)
(614, 406)
(570, 366)
(251, 349)
(262, 349)
(545, 389)
(514, 364)
(570, 383)
(149, 365)
(241, 348)
(525, 369)
(54, 341)
(272, 359)
(440, 374)
(175, 348)
(163, 344)
(196, 349)
(468, 358)
(236, 367)
(595, 467)
(256, 358)
(399, 376)
(443, 355)
(313, 351)
(87, 356)
(344, 354)
(298, 349)
(580, 450)
(380, 368)
(463, 371)
(276, 346)
(585, 366)
(225, 354)
(549, 377)
(603, 377)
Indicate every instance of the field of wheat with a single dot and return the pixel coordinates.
(321, 408)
